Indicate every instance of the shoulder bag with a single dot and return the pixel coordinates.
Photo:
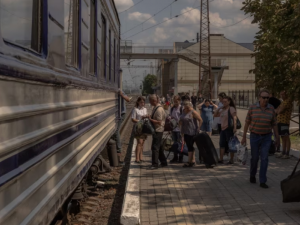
(230, 121)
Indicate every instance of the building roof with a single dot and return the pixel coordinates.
(249, 46)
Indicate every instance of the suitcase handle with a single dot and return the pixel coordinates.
(294, 171)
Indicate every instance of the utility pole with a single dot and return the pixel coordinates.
(204, 46)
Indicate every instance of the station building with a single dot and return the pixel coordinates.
(224, 52)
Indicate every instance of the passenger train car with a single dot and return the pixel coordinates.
(59, 77)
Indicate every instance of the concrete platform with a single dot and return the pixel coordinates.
(223, 195)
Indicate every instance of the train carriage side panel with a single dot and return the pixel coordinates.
(54, 119)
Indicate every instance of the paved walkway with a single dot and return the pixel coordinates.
(223, 195)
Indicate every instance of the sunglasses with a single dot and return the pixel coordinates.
(264, 97)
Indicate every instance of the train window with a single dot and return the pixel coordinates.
(103, 47)
(21, 23)
(109, 54)
(114, 61)
(92, 36)
(71, 32)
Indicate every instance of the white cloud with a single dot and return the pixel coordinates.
(187, 25)
(141, 17)
(123, 4)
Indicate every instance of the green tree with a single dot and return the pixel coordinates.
(277, 44)
(149, 82)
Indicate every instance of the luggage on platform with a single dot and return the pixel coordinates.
(206, 149)
(290, 186)
(179, 148)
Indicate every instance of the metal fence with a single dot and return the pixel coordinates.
(243, 98)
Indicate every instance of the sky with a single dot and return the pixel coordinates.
(225, 17)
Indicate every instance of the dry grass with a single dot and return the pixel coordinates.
(295, 141)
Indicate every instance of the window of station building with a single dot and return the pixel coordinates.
(71, 32)
(21, 23)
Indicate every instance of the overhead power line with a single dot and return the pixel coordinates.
(131, 6)
(233, 24)
(162, 22)
(150, 17)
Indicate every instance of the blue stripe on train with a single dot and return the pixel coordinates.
(13, 164)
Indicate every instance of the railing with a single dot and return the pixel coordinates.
(147, 49)
(243, 98)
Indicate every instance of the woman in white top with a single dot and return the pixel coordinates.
(139, 112)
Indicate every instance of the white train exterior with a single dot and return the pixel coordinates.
(59, 76)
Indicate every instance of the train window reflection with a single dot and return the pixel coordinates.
(103, 48)
(92, 36)
(20, 21)
(71, 32)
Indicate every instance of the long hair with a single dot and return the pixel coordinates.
(231, 102)
(141, 98)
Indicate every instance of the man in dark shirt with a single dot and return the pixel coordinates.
(194, 100)
(187, 97)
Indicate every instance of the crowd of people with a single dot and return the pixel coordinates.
(264, 121)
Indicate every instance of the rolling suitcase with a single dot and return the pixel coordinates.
(206, 149)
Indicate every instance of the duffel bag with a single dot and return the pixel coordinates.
(290, 187)
(179, 148)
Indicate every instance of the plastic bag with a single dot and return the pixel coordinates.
(148, 127)
(215, 123)
(234, 144)
(242, 155)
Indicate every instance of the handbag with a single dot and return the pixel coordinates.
(230, 121)
(290, 187)
(170, 124)
(148, 127)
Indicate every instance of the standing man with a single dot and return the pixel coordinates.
(157, 118)
(194, 100)
(260, 120)
(123, 98)
(284, 112)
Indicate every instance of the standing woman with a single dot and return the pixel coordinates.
(175, 113)
(220, 105)
(227, 133)
(207, 108)
(189, 128)
(139, 112)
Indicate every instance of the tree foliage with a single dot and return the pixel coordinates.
(149, 82)
(277, 44)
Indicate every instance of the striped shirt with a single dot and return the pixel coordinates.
(261, 120)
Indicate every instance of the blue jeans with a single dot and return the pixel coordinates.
(260, 146)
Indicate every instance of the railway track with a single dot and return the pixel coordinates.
(98, 198)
